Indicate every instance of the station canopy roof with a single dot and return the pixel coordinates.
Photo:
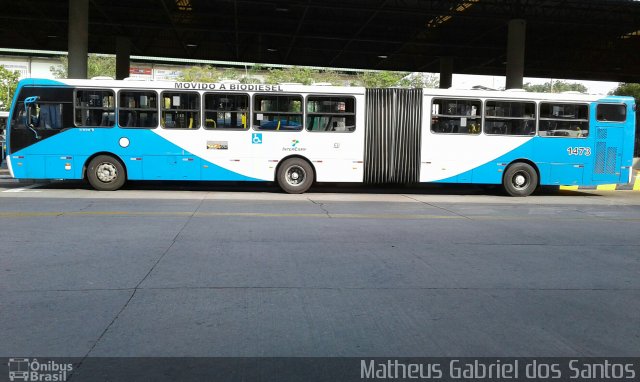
(578, 39)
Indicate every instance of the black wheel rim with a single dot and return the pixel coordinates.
(520, 180)
(106, 172)
(295, 175)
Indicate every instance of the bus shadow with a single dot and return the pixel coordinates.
(318, 188)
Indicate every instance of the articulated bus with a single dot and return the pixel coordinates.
(108, 132)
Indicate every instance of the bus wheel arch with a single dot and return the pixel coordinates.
(521, 178)
(295, 174)
(105, 171)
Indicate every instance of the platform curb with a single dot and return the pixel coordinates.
(633, 186)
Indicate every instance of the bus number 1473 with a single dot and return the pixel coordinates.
(579, 151)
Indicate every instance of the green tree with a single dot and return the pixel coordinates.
(386, 79)
(628, 89)
(306, 76)
(252, 75)
(332, 77)
(61, 70)
(202, 73)
(380, 79)
(298, 74)
(207, 73)
(420, 80)
(97, 66)
(231, 74)
(555, 87)
(8, 83)
(101, 66)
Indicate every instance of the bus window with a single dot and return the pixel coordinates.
(456, 116)
(563, 120)
(335, 114)
(95, 107)
(510, 118)
(180, 110)
(52, 111)
(50, 114)
(138, 109)
(226, 110)
(611, 112)
(277, 112)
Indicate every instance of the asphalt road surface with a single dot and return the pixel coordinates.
(215, 270)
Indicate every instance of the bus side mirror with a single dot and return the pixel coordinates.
(32, 114)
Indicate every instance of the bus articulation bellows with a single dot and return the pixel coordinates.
(110, 131)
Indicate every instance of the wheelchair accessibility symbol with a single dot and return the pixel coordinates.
(256, 138)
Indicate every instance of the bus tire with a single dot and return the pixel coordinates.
(520, 179)
(106, 173)
(295, 176)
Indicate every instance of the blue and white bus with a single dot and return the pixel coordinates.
(110, 131)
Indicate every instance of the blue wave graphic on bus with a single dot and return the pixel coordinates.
(549, 157)
(169, 162)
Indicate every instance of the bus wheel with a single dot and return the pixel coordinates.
(295, 176)
(520, 179)
(106, 173)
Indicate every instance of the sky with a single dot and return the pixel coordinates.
(467, 81)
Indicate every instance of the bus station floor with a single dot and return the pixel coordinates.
(226, 270)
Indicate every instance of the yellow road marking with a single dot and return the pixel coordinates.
(636, 185)
(606, 187)
(569, 188)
